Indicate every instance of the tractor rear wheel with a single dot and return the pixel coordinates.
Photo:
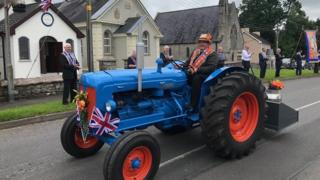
(233, 115)
(72, 141)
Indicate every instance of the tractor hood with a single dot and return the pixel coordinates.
(127, 80)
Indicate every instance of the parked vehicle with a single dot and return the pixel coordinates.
(232, 114)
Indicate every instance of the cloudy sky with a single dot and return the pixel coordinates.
(310, 6)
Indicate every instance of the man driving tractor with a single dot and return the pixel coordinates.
(201, 64)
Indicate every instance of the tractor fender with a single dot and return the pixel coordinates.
(211, 80)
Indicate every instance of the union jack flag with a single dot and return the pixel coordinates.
(104, 124)
(45, 5)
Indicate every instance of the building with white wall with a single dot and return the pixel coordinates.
(37, 41)
(115, 31)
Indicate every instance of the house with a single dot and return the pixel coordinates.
(255, 42)
(36, 41)
(181, 29)
(115, 30)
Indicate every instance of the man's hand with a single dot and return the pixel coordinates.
(77, 67)
(190, 71)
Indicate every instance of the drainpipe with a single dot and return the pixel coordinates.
(140, 56)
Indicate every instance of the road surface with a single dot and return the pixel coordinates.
(34, 152)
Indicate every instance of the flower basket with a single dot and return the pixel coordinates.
(274, 91)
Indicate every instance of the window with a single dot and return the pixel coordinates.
(70, 41)
(107, 43)
(146, 41)
(24, 48)
(188, 52)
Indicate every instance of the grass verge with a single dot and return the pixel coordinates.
(285, 74)
(15, 113)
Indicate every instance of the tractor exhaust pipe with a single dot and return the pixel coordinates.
(140, 56)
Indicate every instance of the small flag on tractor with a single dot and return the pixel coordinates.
(45, 5)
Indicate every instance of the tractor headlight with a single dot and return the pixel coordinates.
(110, 106)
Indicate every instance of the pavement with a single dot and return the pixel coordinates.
(34, 152)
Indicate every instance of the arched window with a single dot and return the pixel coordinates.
(107, 43)
(188, 52)
(24, 48)
(146, 42)
(70, 41)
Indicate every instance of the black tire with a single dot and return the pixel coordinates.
(215, 114)
(67, 136)
(118, 152)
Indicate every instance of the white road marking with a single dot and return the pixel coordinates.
(170, 161)
(307, 106)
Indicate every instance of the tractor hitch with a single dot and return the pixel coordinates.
(280, 116)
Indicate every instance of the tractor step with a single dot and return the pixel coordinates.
(280, 116)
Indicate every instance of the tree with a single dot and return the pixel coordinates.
(262, 16)
(293, 38)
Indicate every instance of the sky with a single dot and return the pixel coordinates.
(311, 7)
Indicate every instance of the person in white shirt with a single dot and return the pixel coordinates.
(246, 58)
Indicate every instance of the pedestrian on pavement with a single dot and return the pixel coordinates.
(70, 67)
(263, 58)
(132, 60)
(166, 56)
(279, 58)
(299, 63)
(246, 58)
(222, 57)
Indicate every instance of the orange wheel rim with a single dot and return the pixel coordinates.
(244, 117)
(137, 164)
(90, 141)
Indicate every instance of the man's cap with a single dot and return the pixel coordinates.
(206, 38)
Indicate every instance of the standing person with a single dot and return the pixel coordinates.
(263, 63)
(201, 64)
(299, 63)
(222, 57)
(166, 56)
(279, 59)
(132, 60)
(70, 67)
(246, 58)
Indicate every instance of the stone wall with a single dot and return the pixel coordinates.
(35, 87)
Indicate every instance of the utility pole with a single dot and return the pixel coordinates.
(89, 37)
(140, 56)
(277, 37)
(9, 67)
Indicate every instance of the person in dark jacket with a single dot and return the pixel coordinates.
(132, 60)
(279, 58)
(263, 63)
(166, 56)
(70, 67)
(201, 64)
(299, 63)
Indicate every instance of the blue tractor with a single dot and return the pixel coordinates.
(232, 113)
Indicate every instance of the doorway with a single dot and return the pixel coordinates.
(50, 51)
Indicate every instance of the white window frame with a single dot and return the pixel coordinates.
(107, 45)
(146, 42)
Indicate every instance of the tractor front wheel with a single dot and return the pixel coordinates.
(72, 141)
(135, 155)
(233, 115)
